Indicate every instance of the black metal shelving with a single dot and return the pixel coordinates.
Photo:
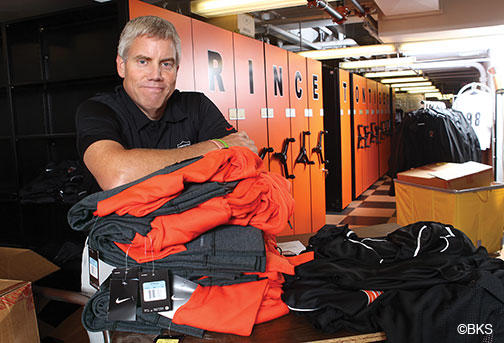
(48, 65)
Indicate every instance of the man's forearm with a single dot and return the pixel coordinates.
(115, 166)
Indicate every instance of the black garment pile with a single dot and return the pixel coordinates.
(430, 284)
(433, 135)
(65, 182)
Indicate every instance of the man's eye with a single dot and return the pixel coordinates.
(168, 65)
(142, 62)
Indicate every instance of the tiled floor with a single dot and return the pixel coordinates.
(373, 207)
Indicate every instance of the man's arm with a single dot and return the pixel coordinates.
(112, 165)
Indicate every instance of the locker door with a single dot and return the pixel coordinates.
(316, 121)
(373, 157)
(300, 164)
(213, 65)
(360, 139)
(346, 138)
(277, 100)
(384, 140)
(250, 92)
(185, 75)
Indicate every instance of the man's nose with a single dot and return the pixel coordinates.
(155, 72)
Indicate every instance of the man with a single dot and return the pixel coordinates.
(146, 124)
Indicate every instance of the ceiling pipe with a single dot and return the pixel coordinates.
(286, 35)
(359, 7)
(337, 17)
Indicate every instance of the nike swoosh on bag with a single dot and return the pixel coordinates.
(229, 128)
(118, 301)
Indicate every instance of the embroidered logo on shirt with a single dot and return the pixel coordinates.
(183, 144)
(229, 128)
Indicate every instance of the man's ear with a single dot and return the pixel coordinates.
(121, 66)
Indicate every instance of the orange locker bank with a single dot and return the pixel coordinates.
(277, 97)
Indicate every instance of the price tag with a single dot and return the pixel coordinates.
(155, 291)
(123, 294)
(93, 268)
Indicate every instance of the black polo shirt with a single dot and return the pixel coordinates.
(190, 117)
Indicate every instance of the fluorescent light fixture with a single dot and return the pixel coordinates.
(213, 8)
(418, 88)
(434, 95)
(404, 79)
(384, 62)
(412, 84)
(355, 51)
(433, 90)
(392, 73)
(458, 45)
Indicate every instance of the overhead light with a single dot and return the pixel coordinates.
(458, 45)
(418, 88)
(434, 95)
(384, 62)
(392, 73)
(213, 8)
(433, 90)
(412, 84)
(355, 51)
(404, 79)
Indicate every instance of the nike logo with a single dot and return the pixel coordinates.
(174, 298)
(118, 301)
(229, 128)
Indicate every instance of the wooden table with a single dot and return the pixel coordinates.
(287, 329)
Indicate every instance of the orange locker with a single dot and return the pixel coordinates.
(318, 171)
(300, 163)
(373, 130)
(185, 77)
(277, 101)
(346, 138)
(385, 129)
(213, 65)
(360, 129)
(250, 92)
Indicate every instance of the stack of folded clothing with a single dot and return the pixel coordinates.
(212, 220)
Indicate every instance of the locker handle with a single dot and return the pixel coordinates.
(282, 156)
(374, 133)
(264, 151)
(303, 155)
(318, 148)
(362, 136)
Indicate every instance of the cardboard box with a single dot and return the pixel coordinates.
(478, 212)
(450, 175)
(18, 268)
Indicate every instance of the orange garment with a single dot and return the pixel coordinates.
(229, 309)
(263, 201)
(226, 165)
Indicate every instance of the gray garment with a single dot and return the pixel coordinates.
(94, 318)
(223, 253)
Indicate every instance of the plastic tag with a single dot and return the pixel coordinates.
(123, 294)
(155, 291)
(94, 271)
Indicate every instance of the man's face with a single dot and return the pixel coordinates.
(149, 73)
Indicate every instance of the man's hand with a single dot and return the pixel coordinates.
(240, 139)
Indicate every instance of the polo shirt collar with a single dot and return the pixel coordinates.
(173, 113)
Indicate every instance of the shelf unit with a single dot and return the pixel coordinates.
(48, 65)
